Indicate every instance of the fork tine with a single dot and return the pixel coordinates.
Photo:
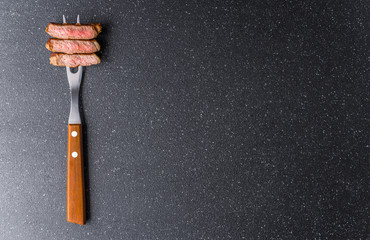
(79, 71)
(67, 68)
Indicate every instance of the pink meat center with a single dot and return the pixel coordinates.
(72, 46)
(80, 32)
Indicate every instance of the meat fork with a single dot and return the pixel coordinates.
(76, 210)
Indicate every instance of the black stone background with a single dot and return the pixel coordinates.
(205, 120)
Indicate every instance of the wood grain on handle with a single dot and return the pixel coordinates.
(75, 176)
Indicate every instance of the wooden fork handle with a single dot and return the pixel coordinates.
(76, 212)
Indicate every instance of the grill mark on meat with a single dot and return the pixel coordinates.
(73, 60)
(74, 31)
(72, 46)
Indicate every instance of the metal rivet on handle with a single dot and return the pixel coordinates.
(74, 154)
(74, 134)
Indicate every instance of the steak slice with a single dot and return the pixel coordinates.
(73, 60)
(72, 46)
(74, 31)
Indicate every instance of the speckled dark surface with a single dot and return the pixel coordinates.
(225, 120)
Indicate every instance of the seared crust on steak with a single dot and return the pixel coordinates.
(74, 31)
(73, 60)
(72, 46)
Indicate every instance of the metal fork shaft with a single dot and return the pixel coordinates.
(74, 114)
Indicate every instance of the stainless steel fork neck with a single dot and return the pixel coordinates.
(74, 113)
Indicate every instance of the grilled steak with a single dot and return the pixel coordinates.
(74, 31)
(74, 60)
(72, 46)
